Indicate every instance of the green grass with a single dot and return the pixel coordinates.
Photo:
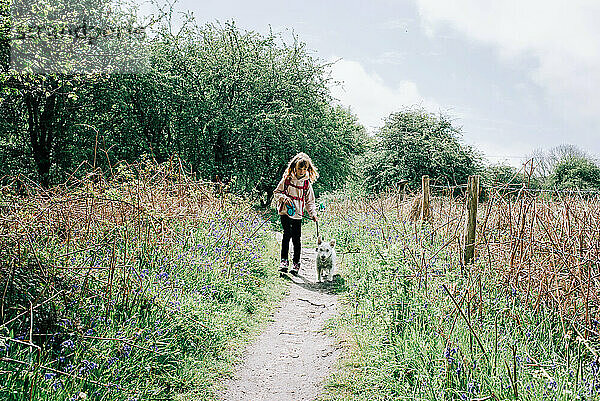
(407, 340)
(149, 317)
(151, 314)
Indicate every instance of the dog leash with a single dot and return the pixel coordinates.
(317, 222)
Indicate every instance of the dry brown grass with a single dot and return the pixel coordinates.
(127, 215)
(546, 247)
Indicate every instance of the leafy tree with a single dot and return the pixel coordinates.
(48, 70)
(413, 143)
(575, 173)
(500, 174)
(234, 104)
(4, 35)
(544, 161)
(240, 105)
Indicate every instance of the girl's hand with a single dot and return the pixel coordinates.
(315, 219)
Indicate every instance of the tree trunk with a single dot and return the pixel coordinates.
(41, 111)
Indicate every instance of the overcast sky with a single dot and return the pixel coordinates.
(516, 75)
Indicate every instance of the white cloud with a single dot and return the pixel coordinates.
(369, 97)
(396, 24)
(391, 57)
(563, 37)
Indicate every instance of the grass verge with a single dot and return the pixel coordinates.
(144, 287)
(419, 327)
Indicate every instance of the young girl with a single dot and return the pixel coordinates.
(293, 194)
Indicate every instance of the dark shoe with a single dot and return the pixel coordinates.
(283, 266)
(295, 269)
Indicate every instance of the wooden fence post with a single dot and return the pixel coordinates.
(425, 211)
(472, 197)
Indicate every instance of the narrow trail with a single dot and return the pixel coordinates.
(290, 359)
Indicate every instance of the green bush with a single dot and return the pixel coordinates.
(501, 174)
(575, 173)
(413, 143)
(234, 104)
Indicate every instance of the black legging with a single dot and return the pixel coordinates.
(291, 229)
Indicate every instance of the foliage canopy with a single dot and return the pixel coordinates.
(575, 172)
(236, 105)
(413, 143)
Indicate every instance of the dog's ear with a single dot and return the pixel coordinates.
(332, 242)
(319, 240)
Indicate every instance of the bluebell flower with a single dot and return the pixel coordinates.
(49, 375)
(126, 350)
(595, 368)
(87, 366)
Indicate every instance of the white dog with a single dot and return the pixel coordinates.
(325, 259)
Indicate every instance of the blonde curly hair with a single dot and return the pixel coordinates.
(302, 160)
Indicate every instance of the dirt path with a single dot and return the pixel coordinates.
(290, 359)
